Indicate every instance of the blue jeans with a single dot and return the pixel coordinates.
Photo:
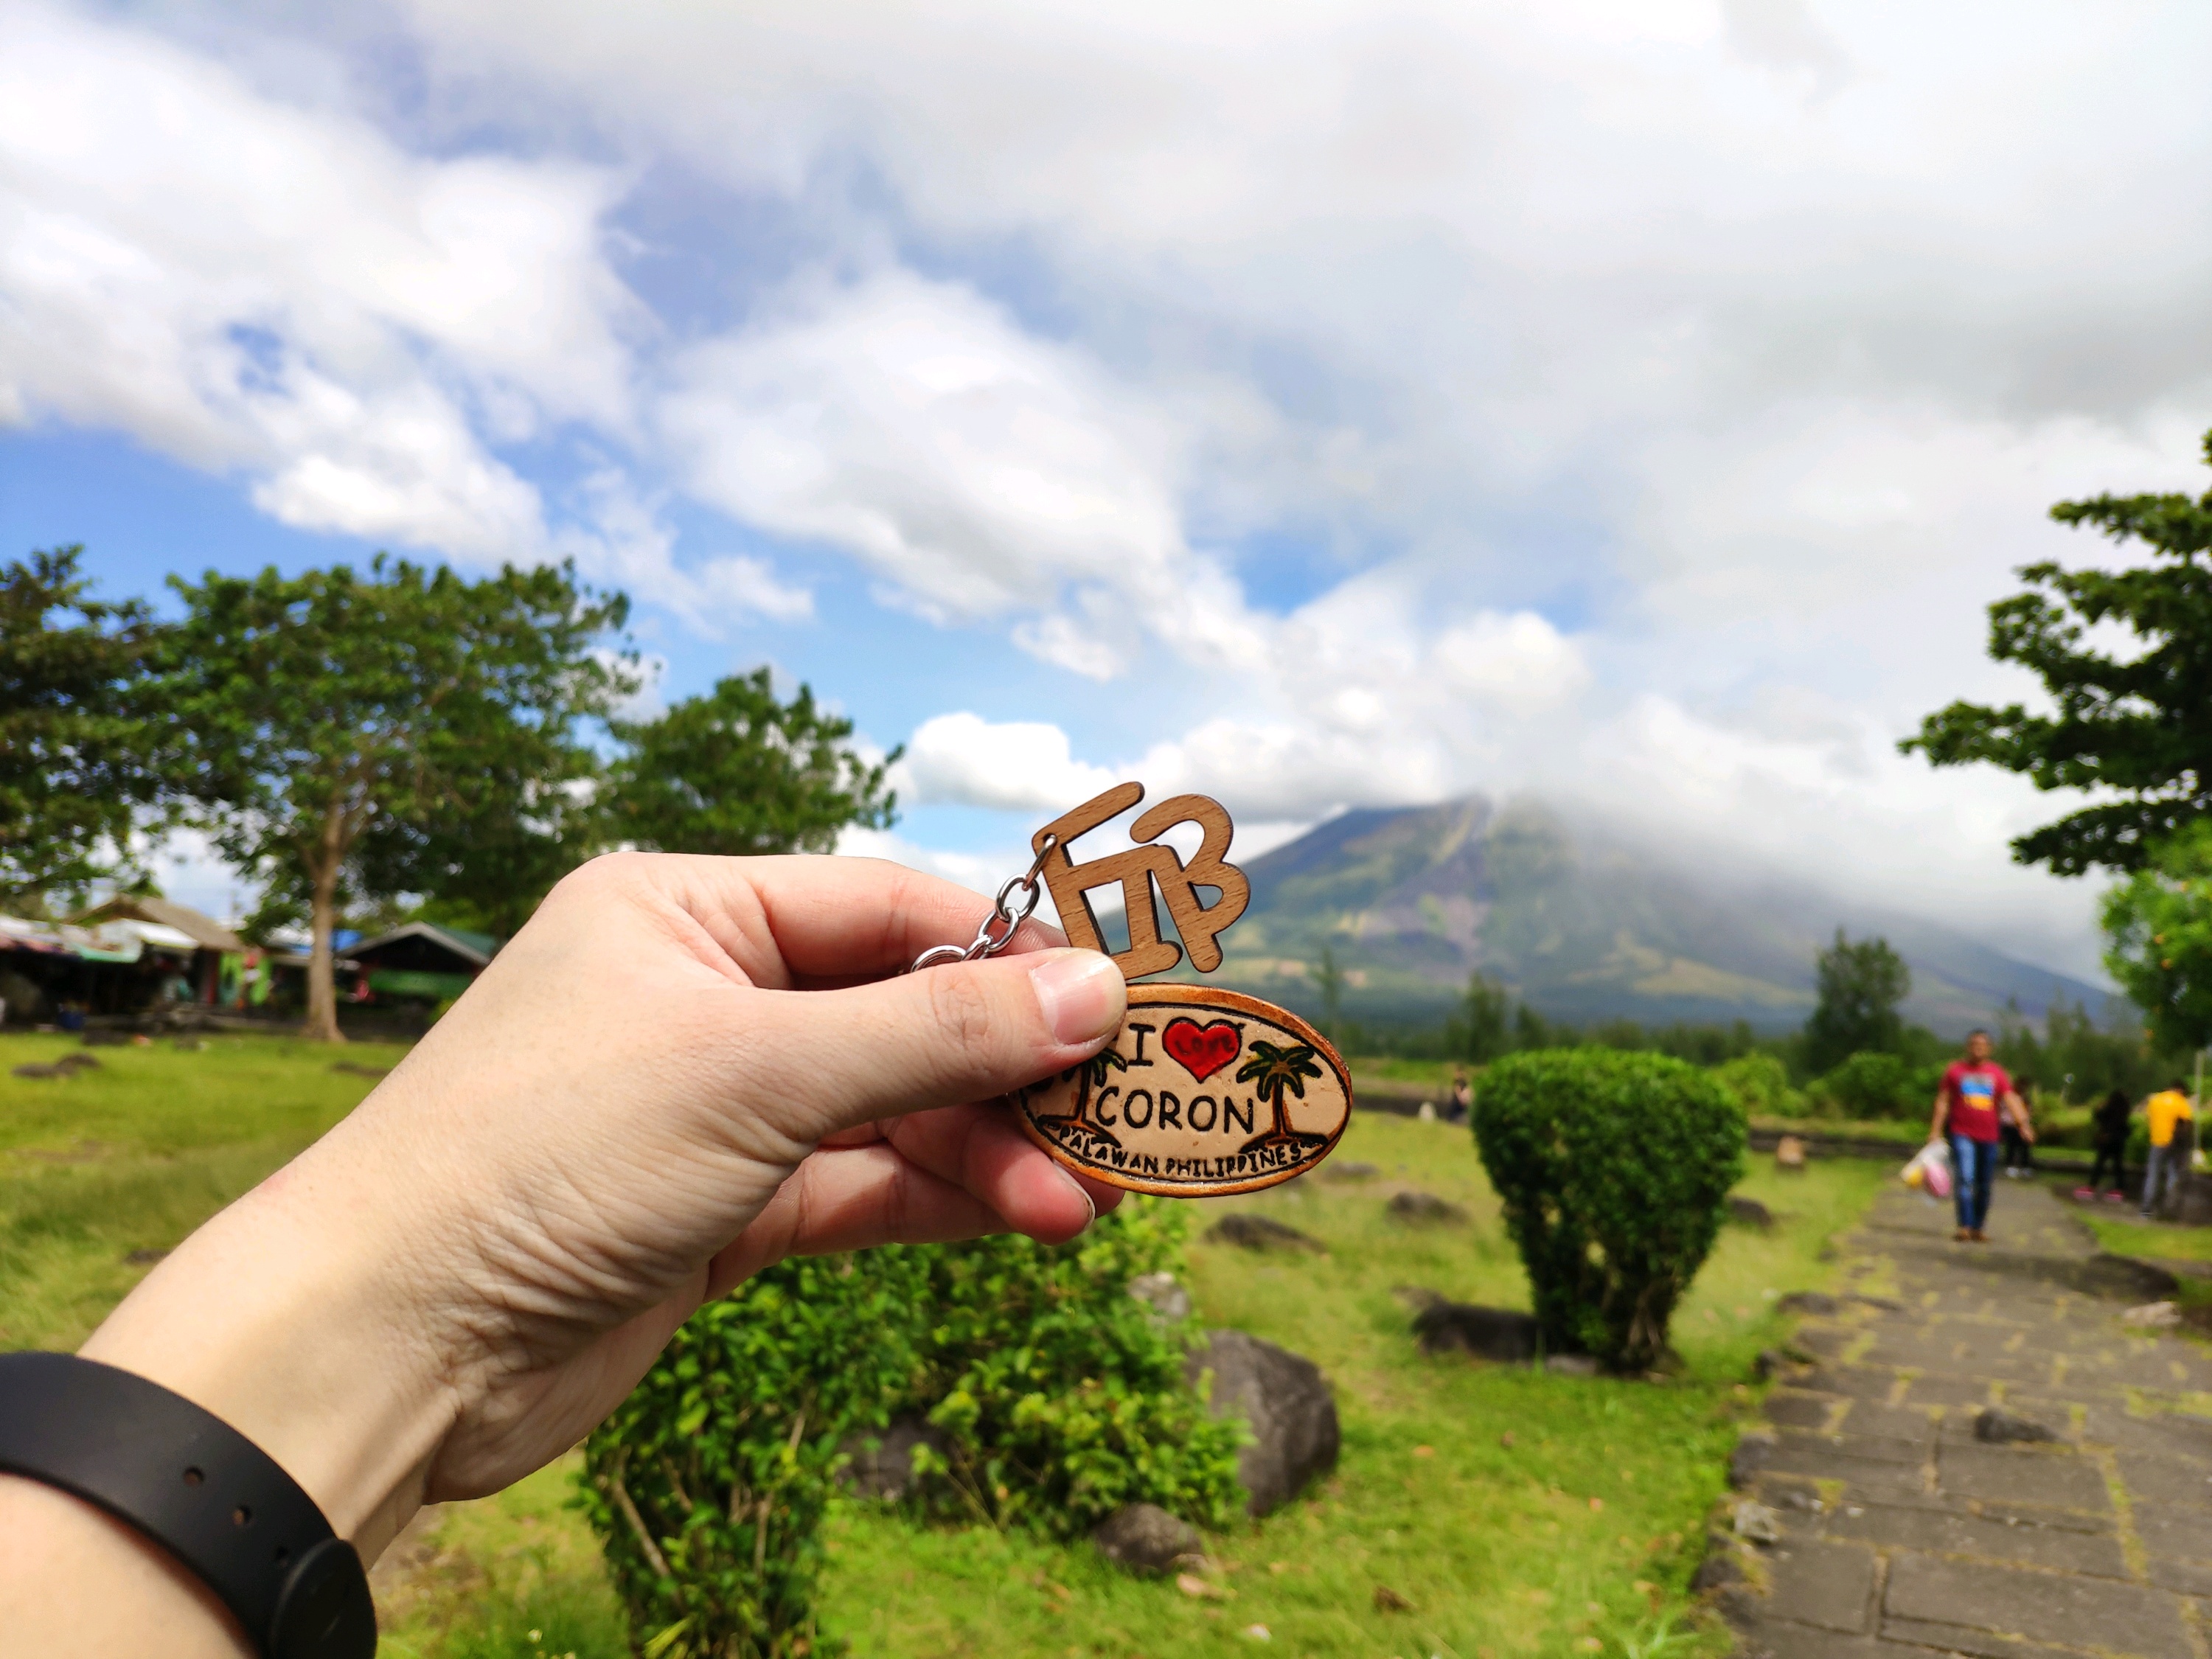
(1973, 1164)
(2164, 1170)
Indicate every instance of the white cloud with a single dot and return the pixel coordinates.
(1016, 765)
(246, 284)
(978, 469)
(1520, 661)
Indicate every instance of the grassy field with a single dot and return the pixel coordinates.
(1517, 1513)
(126, 1159)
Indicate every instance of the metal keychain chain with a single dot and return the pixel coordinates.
(1005, 917)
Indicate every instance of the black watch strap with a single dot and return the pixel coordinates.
(199, 1489)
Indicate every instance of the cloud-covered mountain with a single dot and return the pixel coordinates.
(1585, 919)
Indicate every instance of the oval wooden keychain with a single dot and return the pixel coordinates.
(1204, 1091)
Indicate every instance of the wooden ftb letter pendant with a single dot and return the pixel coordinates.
(1203, 1091)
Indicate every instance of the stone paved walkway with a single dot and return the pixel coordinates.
(1901, 1532)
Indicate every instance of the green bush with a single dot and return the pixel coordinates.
(1613, 1170)
(1870, 1085)
(1761, 1085)
(1062, 1396)
(707, 1487)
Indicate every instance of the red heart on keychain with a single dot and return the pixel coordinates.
(1202, 1050)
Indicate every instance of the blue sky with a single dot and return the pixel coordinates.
(1315, 406)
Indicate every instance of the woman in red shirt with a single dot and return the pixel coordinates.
(1973, 1093)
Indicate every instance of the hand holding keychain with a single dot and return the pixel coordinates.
(1158, 1109)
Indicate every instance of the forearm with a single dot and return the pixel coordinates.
(1936, 1120)
(72, 1581)
(278, 1317)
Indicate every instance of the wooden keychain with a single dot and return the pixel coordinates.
(1204, 1091)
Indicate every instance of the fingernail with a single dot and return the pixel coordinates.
(1090, 1209)
(1081, 994)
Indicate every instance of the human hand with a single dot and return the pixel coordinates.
(682, 1070)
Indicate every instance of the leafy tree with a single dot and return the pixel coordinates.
(1480, 1031)
(1860, 985)
(736, 772)
(77, 757)
(1329, 978)
(2159, 924)
(2084, 1059)
(334, 723)
(1532, 1030)
(2134, 721)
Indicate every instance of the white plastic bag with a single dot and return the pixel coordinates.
(1931, 1171)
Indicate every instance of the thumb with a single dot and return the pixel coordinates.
(943, 1036)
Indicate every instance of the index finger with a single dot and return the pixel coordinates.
(832, 921)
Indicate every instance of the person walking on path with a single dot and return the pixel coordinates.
(1974, 1091)
(2110, 1121)
(2165, 1112)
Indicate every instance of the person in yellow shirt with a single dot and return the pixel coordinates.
(2167, 1107)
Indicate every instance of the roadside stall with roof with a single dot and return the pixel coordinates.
(422, 964)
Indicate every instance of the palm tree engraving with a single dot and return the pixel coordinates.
(1272, 1070)
(1093, 1072)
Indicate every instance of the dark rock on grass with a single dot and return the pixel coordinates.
(143, 1258)
(1750, 1213)
(1349, 1169)
(1258, 1232)
(1497, 1334)
(1144, 1538)
(1425, 1209)
(1716, 1572)
(1809, 1302)
(67, 1066)
(1776, 1361)
(1752, 1454)
(1388, 1601)
(882, 1463)
(1285, 1399)
(355, 1069)
(2000, 1427)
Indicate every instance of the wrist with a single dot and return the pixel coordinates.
(283, 1316)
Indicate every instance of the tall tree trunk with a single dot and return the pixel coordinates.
(322, 1025)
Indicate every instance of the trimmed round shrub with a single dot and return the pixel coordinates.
(1613, 1169)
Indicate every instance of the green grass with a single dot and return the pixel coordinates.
(1498, 1547)
(2123, 1235)
(1578, 1537)
(135, 1155)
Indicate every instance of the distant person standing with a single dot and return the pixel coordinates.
(2110, 1123)
(2018, 1160)
(2165, 1112)
(1462, 1099)
(1974, 1093)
